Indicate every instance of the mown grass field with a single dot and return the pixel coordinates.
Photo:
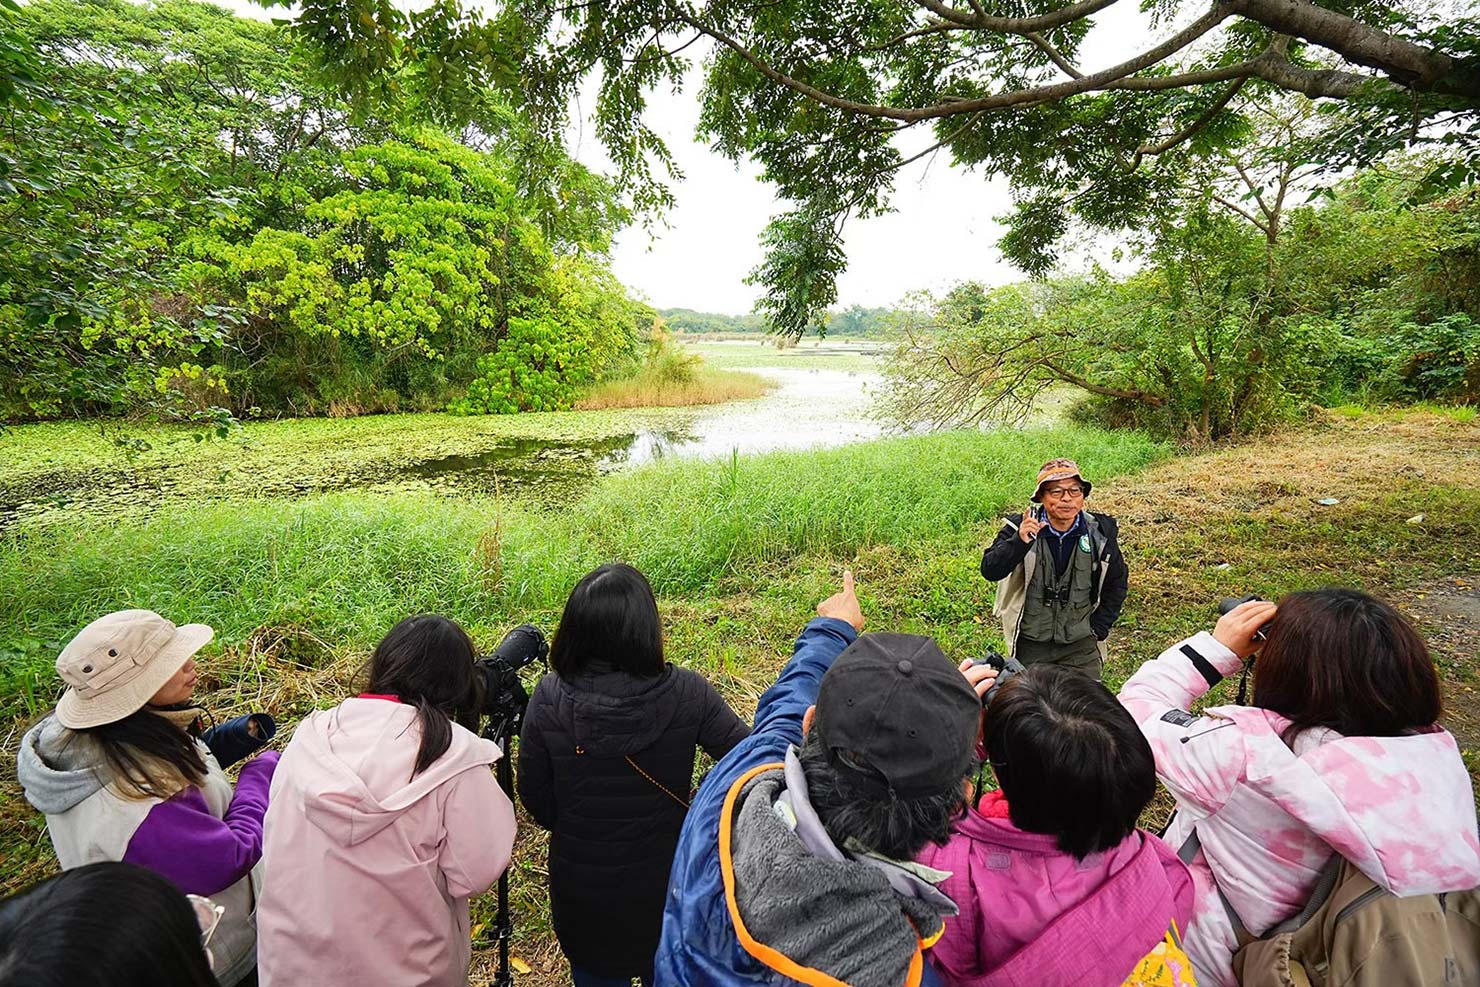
(739, 553)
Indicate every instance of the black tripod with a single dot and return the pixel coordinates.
(506, 716)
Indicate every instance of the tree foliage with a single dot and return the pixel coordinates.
(818, 93)
(1225, 329)
(193, 214)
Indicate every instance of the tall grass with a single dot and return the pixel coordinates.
(653, 390)
(344, 567)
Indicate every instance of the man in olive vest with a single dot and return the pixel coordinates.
(1063, 579)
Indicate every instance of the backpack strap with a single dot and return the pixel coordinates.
(1185, 853)
(1321, 893)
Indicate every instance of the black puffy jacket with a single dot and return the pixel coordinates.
(613, 830)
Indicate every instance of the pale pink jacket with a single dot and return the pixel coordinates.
(1400, 808)
(368, 870)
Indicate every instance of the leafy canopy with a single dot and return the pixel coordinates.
(817, 92)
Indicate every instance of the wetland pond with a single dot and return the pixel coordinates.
(823, 396)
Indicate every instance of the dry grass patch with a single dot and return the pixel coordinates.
(707, 386)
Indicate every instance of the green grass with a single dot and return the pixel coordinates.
(1462, 413)
(739, 551)
(343, 567)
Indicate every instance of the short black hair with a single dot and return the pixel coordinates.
(611, 618)
(114, 921)
(893, 827)
(1070, 759)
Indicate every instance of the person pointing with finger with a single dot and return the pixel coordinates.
(1063, 578)
(796, 863)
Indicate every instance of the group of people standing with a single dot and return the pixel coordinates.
(890, 817)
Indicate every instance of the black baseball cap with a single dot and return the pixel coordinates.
(897, 717)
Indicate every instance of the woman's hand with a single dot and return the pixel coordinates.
(979, 677)
(1238, 630)
(843, 605)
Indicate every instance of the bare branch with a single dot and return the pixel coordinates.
(1255, 188)
(1142, 397)
(1228, 204)
(1104, 79)
(1203, 119)
(1054, 55)
(925, 30)
(1315, 83)
(1409, 64)
(1017, 25)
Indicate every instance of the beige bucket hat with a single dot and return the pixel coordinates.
(116, 663)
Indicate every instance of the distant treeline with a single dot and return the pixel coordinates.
(854, 321)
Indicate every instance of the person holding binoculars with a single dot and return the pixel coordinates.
(1339, 752)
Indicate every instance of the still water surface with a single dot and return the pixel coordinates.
(822, 398)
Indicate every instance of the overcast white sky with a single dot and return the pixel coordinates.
(942, 230)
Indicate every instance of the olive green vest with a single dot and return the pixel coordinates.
(1058, 608)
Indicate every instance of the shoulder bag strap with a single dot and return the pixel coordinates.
(655, 782)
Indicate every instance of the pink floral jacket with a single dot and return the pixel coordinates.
(1400, 808)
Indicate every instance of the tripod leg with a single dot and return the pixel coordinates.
(503, 924)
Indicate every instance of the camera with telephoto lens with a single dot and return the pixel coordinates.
(498, 693)
(1006, 669)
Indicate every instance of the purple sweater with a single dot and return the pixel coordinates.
(221, 851)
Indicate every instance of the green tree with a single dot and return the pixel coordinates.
(1247, 309)
(140, 124)
(191, 215)
(817, 93)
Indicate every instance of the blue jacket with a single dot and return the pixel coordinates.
(699, 948)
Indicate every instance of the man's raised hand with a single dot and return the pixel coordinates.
(1030, 526)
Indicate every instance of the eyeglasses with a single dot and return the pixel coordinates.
(1064, 492)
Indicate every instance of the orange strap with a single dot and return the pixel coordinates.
(773, 958)
(656, 783)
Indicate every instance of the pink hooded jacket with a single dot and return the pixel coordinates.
(1034, 916)
(1399, 808)
(369, 870)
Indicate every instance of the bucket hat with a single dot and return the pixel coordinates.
(1058, 469)
(116, 663)
(897, 717)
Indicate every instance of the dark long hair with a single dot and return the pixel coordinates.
(426, 661)
(1070, 759)
(110, 922)
(1341, 659)
(611, 617)
(147, 755)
